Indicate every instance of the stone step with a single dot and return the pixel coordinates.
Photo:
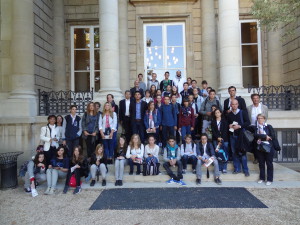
(280, 174)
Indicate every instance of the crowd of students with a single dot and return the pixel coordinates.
(155, 119)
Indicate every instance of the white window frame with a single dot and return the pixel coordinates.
(259, 51)
(92, 56)
(164, 46)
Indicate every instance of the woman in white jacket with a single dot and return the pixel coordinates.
(50, 135)
(135, 154)
(108, 125)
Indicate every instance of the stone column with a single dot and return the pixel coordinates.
(59, 70)
(229, 42)
(22, 83)
(275, 69)
(109, 49)
(124, 53)
(209, 43)
(22, 95)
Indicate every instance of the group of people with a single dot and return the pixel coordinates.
(155, 119)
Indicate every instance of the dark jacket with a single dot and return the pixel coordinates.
(132, 110)
(121, 152)
(222, 133)
(84, 166)
(184, 94)
(122, 109)
(270, 132)
(238, 118)
(133, 90)
(241, 101)
(209, 149)
(102, 160)
(72, 128)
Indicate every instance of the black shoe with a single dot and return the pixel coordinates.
(103, 182)
(247, 174)
(120, 183)
(198, 181)
(92, 183)
(117, 183)
(66, 188)
(36, 184)
(235, 172)
(218, 181)
(27, 190)
(77, 190)
(194, 171)
(138, 173)
(183, 172)
(130, 173)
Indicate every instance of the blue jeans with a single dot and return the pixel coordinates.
(184, 131)
(131, 163)
(222, 165)
(238, 160)
(109, 147)
(148, 159)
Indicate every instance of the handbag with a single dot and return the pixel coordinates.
(263, 147)
(248, 134)
(72, 182)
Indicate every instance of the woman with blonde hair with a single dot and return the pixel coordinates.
(89, 123)
(99, 164)
(108, 125)
(135, 153)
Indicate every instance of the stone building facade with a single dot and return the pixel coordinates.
(37, 52)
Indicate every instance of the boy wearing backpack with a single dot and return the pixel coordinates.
(206, 109)
(186, 119)
(205, 151)
(188, 154)
(168, 120)
(172, 159)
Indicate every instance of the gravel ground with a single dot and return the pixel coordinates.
(16, 207)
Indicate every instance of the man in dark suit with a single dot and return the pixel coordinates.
(124, 115)
(137, 113)
(186, 92)
(136, 88)
(227, 102)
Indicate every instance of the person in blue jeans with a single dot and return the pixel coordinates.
(220, 134)
(188, 153)
(186, 119)
(108, 126)
(172, 159)
(238, 120)
(168, 120)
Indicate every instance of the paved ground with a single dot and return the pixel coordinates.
(16, 207)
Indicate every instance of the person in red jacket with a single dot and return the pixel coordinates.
(186, 119)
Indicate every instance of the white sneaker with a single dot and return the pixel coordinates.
(34, 192)
(268, 183)
(260, 181)
(47, 191)
(52, 191)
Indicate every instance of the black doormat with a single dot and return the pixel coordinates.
(175, 198)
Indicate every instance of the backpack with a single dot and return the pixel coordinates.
(23, 169)
(150, 168)
(222, 156)
(184, 146)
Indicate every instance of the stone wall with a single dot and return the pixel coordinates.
(43, 44)
(291, 57)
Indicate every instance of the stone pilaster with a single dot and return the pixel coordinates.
(275, 70)
(209, 40)
(59, 70)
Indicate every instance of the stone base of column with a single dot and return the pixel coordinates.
(18, 107)
(101, 96)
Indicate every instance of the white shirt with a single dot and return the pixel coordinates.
(127, 103)
(153, 151)
(73, 118)
(254, 113)
(205, 155)
(139, 152)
